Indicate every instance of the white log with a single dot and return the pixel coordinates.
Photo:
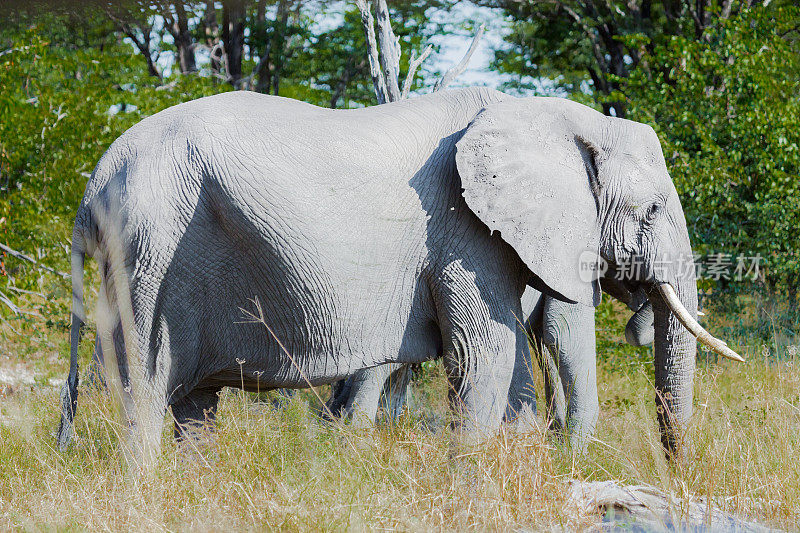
(648, 508)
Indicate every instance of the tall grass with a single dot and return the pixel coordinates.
(286, 469)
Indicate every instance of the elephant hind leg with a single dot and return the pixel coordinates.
(358, 397)
(141, 393)
(195, 423)
(195, 414)
(396, 390)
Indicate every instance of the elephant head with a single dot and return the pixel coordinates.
(566, 186)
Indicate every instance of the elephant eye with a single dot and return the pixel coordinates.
(653, 211)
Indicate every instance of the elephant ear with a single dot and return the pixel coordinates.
(528, 169)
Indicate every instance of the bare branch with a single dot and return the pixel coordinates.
(456, 70)
(389, 51)
(168, 86)
(372, 51)
(25, 257)
(11, 305)
(413, 65)
(23, 291)
(11, 50)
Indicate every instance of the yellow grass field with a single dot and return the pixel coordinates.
(288, 470)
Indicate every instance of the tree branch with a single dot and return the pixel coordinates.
(11, 305)
(25, 257)
(389, 51)
(456, 70)
(372, 51)
(143, 44)
(413, 65)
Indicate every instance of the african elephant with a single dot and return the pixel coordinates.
(260, 242)
(564, 334)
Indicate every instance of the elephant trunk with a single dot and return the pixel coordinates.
(639, 329)
(675, 349)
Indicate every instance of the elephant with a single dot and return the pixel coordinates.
(259, 242)
(563, 335)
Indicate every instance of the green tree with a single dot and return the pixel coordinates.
(585, 47)
(70, 86)
(727, 109)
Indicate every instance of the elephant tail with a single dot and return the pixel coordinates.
(69, 392)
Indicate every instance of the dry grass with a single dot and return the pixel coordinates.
(287, 470)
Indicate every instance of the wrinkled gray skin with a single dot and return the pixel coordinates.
(397, 233)
(564, 335)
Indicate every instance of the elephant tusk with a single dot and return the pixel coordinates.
(694, 327)
(700, 313)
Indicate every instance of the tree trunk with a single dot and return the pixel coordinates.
(278, 48)
(211, 30)
(264, 75)
(183, 40)
(233, 20)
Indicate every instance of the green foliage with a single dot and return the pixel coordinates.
(727, 109)
(69, 88)
(582, 48)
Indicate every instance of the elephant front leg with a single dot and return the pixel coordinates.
(479, 370)
(568, 332)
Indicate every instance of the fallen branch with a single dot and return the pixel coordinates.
(7, 323)
(12, 50)
(456, 70)
(23, 291)
(11, 305)
(26, 257)
(168, 86)
(650, 509)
